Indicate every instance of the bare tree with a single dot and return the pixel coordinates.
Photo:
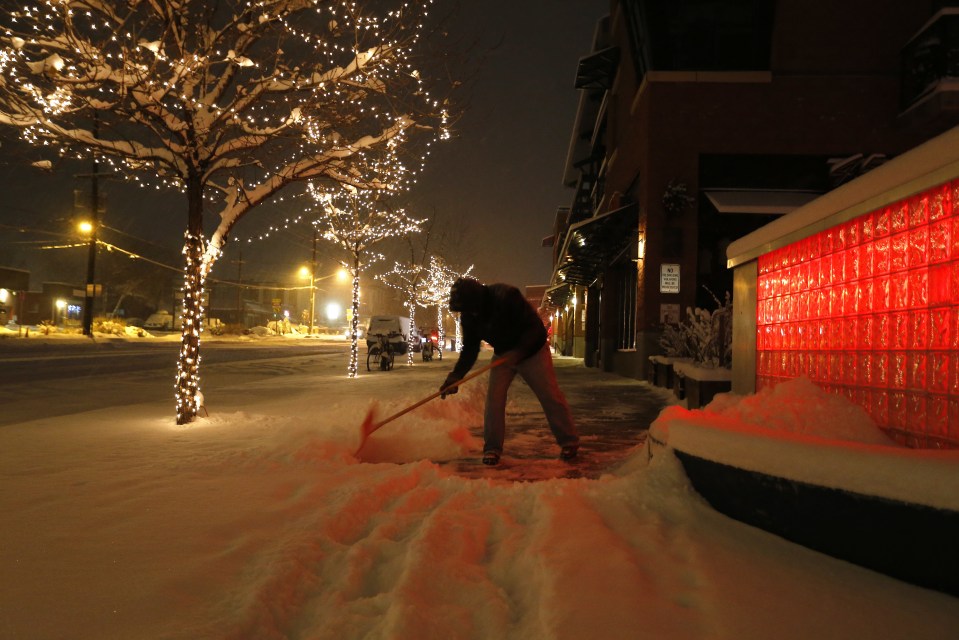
(229, 102)
(407, 278)
(436, 292)
(356, 221)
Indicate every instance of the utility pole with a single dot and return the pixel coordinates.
(313, 281)
(92, 251)
(239, 288)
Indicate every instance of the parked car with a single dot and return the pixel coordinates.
(396, 330)
(159, 321)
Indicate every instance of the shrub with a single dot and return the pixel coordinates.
(706, 336)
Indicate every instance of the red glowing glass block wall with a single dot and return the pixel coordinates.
(870, 309)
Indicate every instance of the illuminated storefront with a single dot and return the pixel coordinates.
(866, 304)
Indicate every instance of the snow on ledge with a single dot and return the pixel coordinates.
(799, 432)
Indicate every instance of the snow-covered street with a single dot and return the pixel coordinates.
(258, 522)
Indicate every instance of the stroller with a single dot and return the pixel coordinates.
(427, 350)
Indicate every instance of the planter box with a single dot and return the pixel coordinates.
(699, 385)
(892, 510)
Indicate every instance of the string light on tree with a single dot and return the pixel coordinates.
(208, 105)
(355, 221)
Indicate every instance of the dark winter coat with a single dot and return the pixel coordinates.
(503, 318)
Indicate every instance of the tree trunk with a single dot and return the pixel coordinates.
(188, 396)
(411, 303)
(440, 329)
(354, 323)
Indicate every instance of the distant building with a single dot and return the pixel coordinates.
(700, 121)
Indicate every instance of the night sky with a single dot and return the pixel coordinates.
(493, 189)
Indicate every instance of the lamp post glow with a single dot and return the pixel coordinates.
(310, 272)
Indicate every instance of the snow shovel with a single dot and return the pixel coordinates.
(369, 426)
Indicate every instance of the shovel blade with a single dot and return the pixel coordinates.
(368, 426)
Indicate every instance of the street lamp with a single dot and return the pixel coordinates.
(61, 304)
(310, 272)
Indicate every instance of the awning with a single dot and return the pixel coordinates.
(592, 244)
(758, 201)
(557, 296)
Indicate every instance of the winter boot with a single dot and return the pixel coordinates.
(568, 452)
(490, 458)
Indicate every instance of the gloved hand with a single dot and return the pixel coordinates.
(452, 378)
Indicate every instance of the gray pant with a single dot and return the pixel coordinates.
(537, 371)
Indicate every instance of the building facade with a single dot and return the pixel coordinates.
(702, 120)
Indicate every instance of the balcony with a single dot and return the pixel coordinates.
(930, 72)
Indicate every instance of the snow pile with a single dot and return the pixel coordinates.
(799, 432)
(258, 522)
(799, 406)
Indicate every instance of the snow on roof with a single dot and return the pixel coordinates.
(925, 166)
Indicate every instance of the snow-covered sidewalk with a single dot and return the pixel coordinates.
(258, 522)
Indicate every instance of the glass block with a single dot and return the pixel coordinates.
(918, 293)
(835, 368)
(918, 210)
(918, 252)
(850, 372)
(828, 241)
(898, 410)
(919, 329)
(881, 294)
(837, 264)
(940, 234)
(864, 369)
(953, 383)
(940, 285)
(939, 335)
(864, 296)
(850, 332)
(938, 364)
(822, 366)
(937, 415)
(762, 363)
(916, 370)
(792, 336)
(879, 408)
(915, 410)
(881, 328)
(898, 252)
(851, 268)
(881, 227)
(954, 418)
(782, 364)
(866, 227)
(866, 252)
(954, 281)
(954, 239)
(897, 369)
(880, 256)
(940, 203)
(834, 326)
(848, 298)
(880, 369)
(898, 217)
(898, 290)
(899, 330)
(864, 331)
(852, 233)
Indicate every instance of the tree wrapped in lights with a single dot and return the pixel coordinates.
(228, 102)
(355, 221)
(408, 279)
(436, 292)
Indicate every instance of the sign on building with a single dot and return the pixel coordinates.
(669, 278)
